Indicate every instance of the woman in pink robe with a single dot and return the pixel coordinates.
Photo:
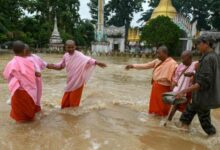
(180, 79)
(20, 74)
(39, 65)
(79, 68)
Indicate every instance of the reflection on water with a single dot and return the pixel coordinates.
(112, 115)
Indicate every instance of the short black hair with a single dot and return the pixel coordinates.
(18, 47)
(205, 38)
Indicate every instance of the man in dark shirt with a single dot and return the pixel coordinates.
(206, 90)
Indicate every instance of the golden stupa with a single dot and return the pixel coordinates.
(133, 35)
(165, 8)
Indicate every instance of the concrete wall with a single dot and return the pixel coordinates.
(119, 41)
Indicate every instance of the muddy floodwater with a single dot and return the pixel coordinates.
(112, 115)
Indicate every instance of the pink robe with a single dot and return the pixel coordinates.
(20, 74)
(78, 67)
(182, 81)
(39, 65)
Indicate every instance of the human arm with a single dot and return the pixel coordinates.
(149, 65)
(100, 64)
(204, 78)
(59, 66)
(189, 74)
(37, 74)
(195, 87)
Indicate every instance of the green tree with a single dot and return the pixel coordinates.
(215, 9)
(85, 33)
(195, 9)
(161, 31)
(122, 12)
(66, 12)
(9, 19)
(36, 30)
(93, 6)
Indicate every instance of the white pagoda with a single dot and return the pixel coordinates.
(56, 43)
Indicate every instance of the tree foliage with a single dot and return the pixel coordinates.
(33, 21)
(93, 6)
(161, 31)
(117, 12)
(196, 9)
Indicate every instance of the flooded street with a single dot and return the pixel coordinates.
(112, 116)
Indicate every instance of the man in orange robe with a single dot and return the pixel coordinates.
(163, 70)
(20, 74)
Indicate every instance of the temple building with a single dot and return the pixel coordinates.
(166, 8)
(56, 43)
(116, 38)
(107, 39)
(133, 36)
(133, 39)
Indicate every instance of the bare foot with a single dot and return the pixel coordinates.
(182, 127)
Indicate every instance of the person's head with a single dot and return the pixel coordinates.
(70, 46)
(18, 48)
(186, 58)
(27, 50)
(162, 53)
(204, 43)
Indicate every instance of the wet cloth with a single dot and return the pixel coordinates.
(208, 77)
(39, 65)
(163, 71)
(72, 99)
(23, 106)
(183, 82)
(156, 102)
(20, 74)
(79, 68)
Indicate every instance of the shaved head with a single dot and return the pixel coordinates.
(70, 46)
(70, 42)
(27, 50)
(187, 53)
(26, 46)
(186, 58)
(164, 49)
(18, 47)
(162, 53)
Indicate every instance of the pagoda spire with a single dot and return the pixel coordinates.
(165, 8)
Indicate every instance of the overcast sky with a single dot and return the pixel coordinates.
(84, 12)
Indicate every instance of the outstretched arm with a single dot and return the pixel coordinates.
(61, 65)
(54, 67)
(100, 64)
(142, 66)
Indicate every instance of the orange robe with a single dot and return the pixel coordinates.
(162, 77)
(72, 99)
(23, 106)
(156, 103)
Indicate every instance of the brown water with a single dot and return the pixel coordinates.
(112, 116)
